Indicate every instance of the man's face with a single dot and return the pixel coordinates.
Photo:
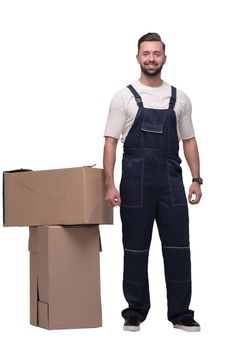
(151, 57)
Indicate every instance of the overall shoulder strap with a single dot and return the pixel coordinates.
(136, 96)
(173, 98)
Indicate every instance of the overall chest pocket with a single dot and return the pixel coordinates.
(152, 128)
(131, 186)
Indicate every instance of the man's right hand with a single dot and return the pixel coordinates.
(112, 197)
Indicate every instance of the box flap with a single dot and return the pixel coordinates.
(43, 315)
(100, 244)
(94, 196)
(44, 239)
(34, 289)
(16, 170)
(3, 189)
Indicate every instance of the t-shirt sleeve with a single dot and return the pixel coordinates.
(116, 117)
(185, 120)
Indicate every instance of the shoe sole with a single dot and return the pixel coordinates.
(132, 328)
(188, 329)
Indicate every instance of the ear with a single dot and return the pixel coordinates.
(165, 59)
(137, 57)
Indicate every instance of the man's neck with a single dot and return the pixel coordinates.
(151, 81)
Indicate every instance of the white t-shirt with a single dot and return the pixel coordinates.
(123, 109)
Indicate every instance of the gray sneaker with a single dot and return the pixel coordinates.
(188, 324)
(132, 324)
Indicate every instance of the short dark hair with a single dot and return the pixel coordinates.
(151, 37)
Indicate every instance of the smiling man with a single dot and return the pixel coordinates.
(151, 117)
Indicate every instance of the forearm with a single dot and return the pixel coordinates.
(192, 156)
(109, 159)
(112, 196)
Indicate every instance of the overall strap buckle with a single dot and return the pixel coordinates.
(138, 100)
(136, 96)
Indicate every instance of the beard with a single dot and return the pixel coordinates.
(152, 72)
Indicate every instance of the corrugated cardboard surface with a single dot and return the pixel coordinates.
(65, 277)
(55, 197)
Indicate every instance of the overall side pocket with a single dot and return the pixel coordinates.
(131, 186)
(174, 172)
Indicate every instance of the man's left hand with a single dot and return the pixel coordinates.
(194, 191)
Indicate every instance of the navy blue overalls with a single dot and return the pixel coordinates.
(151, 189)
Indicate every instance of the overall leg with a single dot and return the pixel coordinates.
(137, 232)
(173, 225)
(137, 223)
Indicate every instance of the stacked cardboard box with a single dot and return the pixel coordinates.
(55, 197)
(63, 209)
(64, 274)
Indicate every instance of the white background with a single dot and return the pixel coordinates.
(60, 63)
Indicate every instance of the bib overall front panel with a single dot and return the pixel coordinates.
(151, 189)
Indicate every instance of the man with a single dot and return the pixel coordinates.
(152, 117)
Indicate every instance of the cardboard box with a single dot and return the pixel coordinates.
(65, 277)
(55, 197)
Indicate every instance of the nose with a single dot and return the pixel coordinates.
(151, 57)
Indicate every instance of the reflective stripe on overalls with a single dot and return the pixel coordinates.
(151, 189)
